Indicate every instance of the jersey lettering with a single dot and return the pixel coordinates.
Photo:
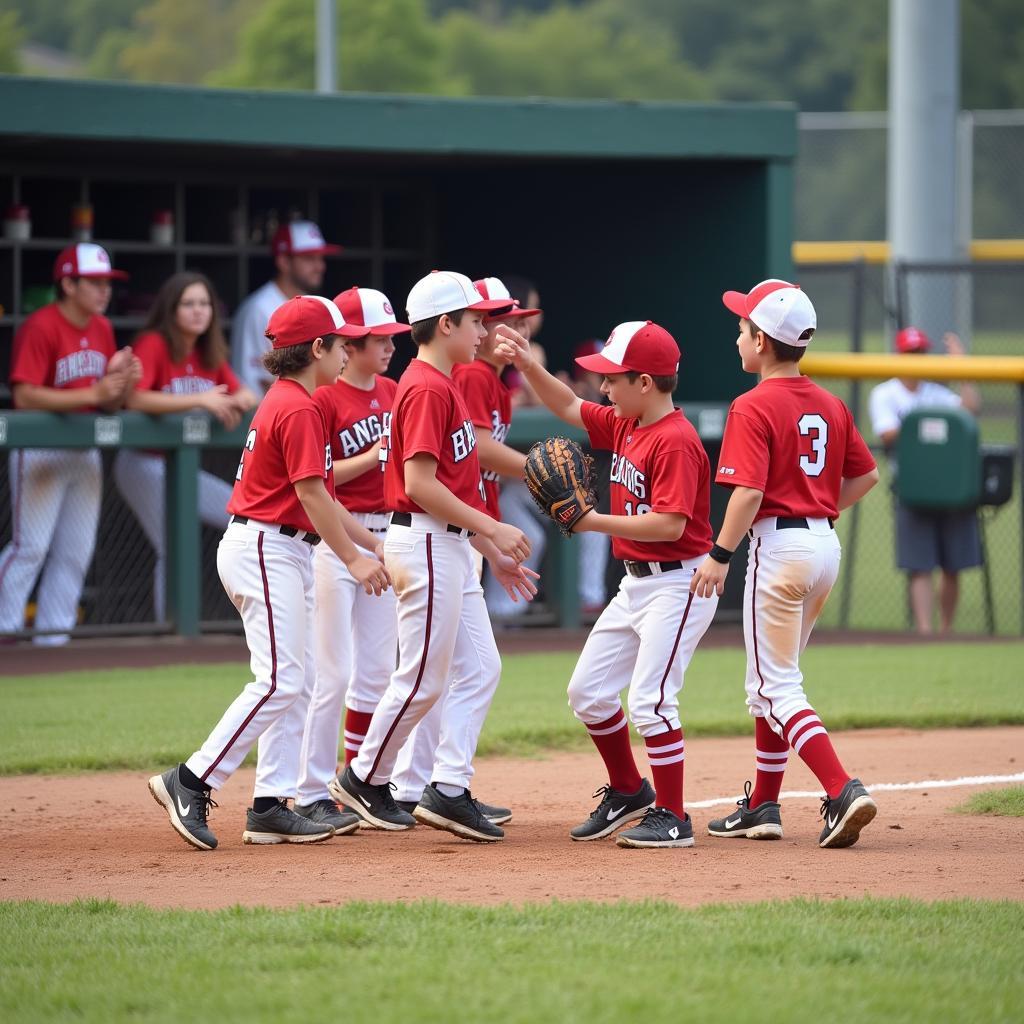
(626, 474)
(359, 436)
(329, 459)
(78, 365)
(250, 443)
(641, 509)
(463, 441)
(499, 431)
(816, 427)
(385, 441)
(187, 386)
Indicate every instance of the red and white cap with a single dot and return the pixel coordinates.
(367, 307)
(778, 308)
(85, 259)
(445, 291)
(638, 345)
(494, 288)
(301, 238)
(306, 317)
(912, 339)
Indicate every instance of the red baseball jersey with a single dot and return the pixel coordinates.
(356, 420)
(794, 441)
(490, 408)
(50, 351)
(659, 468)
(430, 416)
(287, 441)
(189, 377)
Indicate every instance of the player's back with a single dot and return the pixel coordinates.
(808, 442)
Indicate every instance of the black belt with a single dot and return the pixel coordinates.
(797, 523)
(405, 519)
(642, 569)
(286, 531)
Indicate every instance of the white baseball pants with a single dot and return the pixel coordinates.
(356, 647)
(789, 576)
(55, 506)
(644, 639)
(140, 480)
(269, 578)
(442, 620)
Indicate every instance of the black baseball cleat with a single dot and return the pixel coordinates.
(495, 815)
(281, 824)
(846, 815)
(343, 821)
(763, 822)
(187, 809)
(374, 804)
(614, 810)
(461, 815)
(660, 828)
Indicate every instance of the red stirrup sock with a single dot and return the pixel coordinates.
(809, 738)
(356, 724)
(611, 737)
(666, 753)
(772, 755)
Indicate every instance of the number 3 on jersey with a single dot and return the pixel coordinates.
(816, 427)
(250, 443)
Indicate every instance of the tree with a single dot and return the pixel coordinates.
(10, 40)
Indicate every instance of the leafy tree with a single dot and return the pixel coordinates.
(10, 40)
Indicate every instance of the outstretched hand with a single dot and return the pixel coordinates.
(516, 579)
(513, 348)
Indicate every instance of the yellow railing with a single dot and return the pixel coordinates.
(878, 252)
(860, 365)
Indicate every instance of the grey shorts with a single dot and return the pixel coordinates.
(928, 539)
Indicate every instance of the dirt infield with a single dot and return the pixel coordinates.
(103, 836)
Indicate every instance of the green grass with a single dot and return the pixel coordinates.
(858, 961)
(1008, 802)
(127, 719)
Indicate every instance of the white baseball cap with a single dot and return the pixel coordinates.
(494, 288)
(367, 307)
(301, 238)
(445, 291)
(778, 308)
(85, 259)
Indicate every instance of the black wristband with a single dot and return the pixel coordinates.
(720, 554)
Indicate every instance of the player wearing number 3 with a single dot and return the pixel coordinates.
(794, 460)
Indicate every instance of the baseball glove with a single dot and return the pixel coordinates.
(560, 477)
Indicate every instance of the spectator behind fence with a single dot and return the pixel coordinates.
(298, 249)
(64, 360)
(927, 539)
(184, 367)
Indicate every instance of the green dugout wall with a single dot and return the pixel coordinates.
(618, 210)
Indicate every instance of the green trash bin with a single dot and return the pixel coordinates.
(939, 459)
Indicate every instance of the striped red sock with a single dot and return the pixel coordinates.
(356, 725)
(666, 753)
(611, 737)
(809, 738)
(772, 755)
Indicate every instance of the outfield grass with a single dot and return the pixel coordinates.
(146, 720)
(800, 961)
(1008, 802)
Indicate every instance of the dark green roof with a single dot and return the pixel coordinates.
(366, 123)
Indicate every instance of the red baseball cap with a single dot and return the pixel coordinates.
(494, 288)
(301, 238)
(638, 345)
(367, 307)
(306, 317)
(85, 259)
(778, 308)
(912, 339)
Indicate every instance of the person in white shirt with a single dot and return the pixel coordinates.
(927, 539)
(299, 250)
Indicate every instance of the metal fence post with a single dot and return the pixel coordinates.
(567, 561)
(182, 525)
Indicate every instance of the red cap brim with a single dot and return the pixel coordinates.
(383, 330)
(736, 302)
(106, 275)
(512, 313)
(322, 250)
(351, 331)
(598, 364)
(489, 305)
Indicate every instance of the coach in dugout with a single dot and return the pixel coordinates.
(927, 539)
(298, 249)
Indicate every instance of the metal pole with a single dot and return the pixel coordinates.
(924, 99)
(326, 46)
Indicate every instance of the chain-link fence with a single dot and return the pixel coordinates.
(63, 565)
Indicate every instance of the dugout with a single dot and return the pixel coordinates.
(618, 210)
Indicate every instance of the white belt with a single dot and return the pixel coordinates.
(770, 524)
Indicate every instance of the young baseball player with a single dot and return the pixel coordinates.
(184, 362)
(64, 360)
(646, 636)
(794, 460)
(489, 403)
(353, 665)
(282, 505)
(432, 485)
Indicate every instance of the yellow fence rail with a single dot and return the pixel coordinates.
(865, 365)
(981, 249)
